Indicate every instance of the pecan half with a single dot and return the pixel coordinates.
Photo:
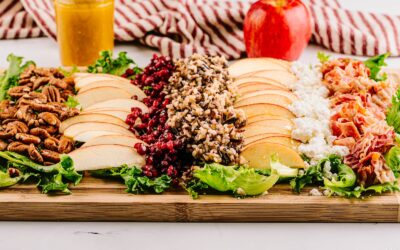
(52, 144)
(3, 145)
(65, 93)
(18, 91)
(41, 107)
(52, 93)
(66, 145)
(40, 132)
(5, 135)
(19, 126)
(8, 112)
(50, 129)
(17, 147)
(49, 155)
(27, 72)
(34, 153)
(58, 83)
(37, 97)
(49, 118)
(40, 81)
(42, 72)
(56, 73)
(27, 138)
(24, 114)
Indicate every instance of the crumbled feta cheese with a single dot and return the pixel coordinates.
(312, 109)
(315, 192)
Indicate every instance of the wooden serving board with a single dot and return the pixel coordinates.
(105, 200)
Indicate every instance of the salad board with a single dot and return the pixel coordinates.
(194, 139)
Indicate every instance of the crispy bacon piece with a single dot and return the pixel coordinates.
(372, 169)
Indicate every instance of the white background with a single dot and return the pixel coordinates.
(137, 236)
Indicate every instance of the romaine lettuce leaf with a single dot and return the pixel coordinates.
(238, 180)
(392, 158)
(393, 112)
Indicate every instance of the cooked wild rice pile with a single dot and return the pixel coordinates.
(201, 112)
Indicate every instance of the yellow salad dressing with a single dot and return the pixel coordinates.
(84, 28)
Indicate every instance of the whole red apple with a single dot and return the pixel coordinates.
(277, 28)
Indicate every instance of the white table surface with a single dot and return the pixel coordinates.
(113, 236)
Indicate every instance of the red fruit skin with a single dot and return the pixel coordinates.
(277, 28)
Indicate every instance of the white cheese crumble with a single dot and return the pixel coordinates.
(312, 111)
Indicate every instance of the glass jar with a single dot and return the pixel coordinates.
(84, 28)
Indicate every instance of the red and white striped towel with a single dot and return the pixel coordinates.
(179, 28)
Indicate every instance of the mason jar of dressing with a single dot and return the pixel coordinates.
(84, 28)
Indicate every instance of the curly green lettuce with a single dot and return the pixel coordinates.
(375, 65)
(118, 66)
(134, 179)
(50, 178)
(10, 77)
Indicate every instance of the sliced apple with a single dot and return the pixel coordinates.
(254, 129)
(105, 156)
(279, 100)
(251, 79)
(112, 139)
(258, 155)
(274, 138)
(120, 104)
(129, 87)
(254, 87)
(266, 98)
(77, 128)
(267, 109)
(282, 76)
(288, 94)
(262, 117)
(119, 113)
(92, 118)
(86, 136)
(83, 78)
(249, 65)
(101, 94)
(273, 122)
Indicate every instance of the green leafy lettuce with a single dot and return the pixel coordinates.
(392, 158)
(375, 65)
(337, 178)
(134, 179)
(69, 72)
(72, 102)
(50, 178)
(322, 57)
(237, 180)
(107, 64)
(393, 112)
(11, 76)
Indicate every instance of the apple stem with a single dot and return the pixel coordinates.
(281, 3)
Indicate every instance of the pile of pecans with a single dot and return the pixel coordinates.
(30, 121)
(201, 111)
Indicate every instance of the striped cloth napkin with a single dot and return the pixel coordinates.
(179, 28)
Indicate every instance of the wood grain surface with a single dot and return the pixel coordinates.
(100, 200)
